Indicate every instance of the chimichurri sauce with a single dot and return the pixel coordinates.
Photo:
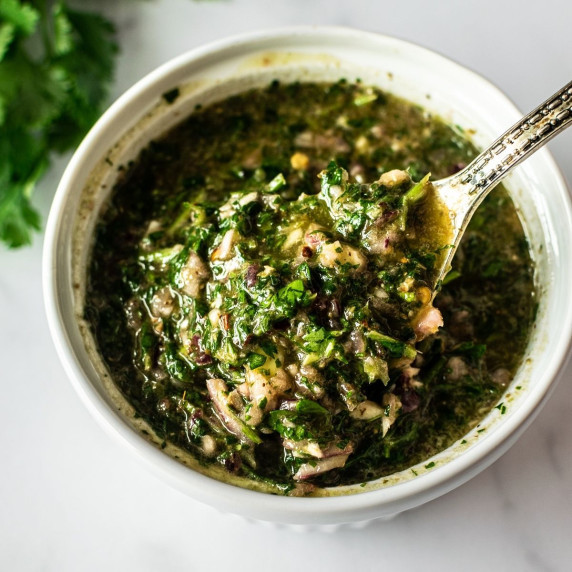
(259, 287)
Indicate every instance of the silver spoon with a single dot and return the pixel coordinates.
(464, 191)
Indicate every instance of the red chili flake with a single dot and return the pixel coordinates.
(307, 252)
(225, 320)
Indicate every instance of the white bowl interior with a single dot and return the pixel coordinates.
(311, 54)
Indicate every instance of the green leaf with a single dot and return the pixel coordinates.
(292, 293)
(365, 98)
(322, 344)
(268, 347)
(249, 431)
(255, 360)
(395, 347)
(52, 88)
(300, 423)
(283, 423)
(17, 217)
(7, 32)
(34, 93)
(315, 336)
(333, 175)
(417, 191)
(175, 365)
(277, 183)
(63, 31)
(303, 271)
(86, 66)
(309, 407)
(412, 196)
(23, 16)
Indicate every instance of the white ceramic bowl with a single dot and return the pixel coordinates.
(206, 74)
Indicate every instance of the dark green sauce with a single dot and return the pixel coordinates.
(270, 314)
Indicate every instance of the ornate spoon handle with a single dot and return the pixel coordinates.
(522, 139)
(463, 192)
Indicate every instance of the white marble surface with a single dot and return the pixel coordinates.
(71, 499)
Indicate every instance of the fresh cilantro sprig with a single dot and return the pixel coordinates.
(56, 65)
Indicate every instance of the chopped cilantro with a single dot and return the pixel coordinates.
(255, 360)
(56, 64)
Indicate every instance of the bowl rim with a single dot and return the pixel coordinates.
(351, 507)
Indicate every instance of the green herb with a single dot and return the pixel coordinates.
(412, 196)
(276, 183)
(56, 64)
(501, 407)
(407, 296)
(175, 364)
(292, 294)
(305, 422)
(255, 360)
(322, 344)
(308, 407)
(269, 347)
(395, 347)
(172, 95)
(365, 98)
(283, 423)
(333, 175)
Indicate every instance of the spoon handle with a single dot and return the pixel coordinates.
(520, 141)
(463, 192)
